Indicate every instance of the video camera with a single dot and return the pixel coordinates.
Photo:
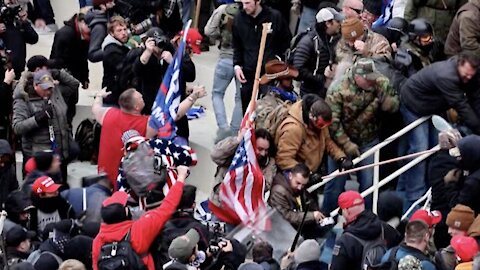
(217, 230)
(8, 13)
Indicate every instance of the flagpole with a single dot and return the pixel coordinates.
(256, 84)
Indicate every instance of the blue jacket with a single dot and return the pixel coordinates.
(95, 195)
(404, 250)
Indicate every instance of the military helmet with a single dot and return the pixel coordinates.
(419, 27)
(398, 24)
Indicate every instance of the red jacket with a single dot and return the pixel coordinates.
(144, 230)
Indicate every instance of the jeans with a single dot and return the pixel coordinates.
(44, 10)
(186, 11)
(336, 186)
(412, 183)
(224, 74)
(307, 19)
(85, 3)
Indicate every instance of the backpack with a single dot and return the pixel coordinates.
(85, 137)
(271, 111)
(34, 256)
(373, 250)
(120, 256)
(144, 170)
(227, 24)
(390, 264)
(290, 53)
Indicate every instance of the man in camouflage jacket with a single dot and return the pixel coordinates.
(355, 101)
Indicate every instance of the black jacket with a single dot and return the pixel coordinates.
(311, 265)
(437, 88)
(179, 224)
(150, 76)
(16, 38)
(442, 194)
(467, 189)
(347, 253)
(70, 51)
(8, 183)
(6, 100)
(49, 206)
(313, 53)
(247, 33)
(114, 54)
(97, 22)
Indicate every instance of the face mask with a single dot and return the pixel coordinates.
(263, 161)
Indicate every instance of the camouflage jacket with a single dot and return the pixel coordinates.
(354, 110)
(376, 46)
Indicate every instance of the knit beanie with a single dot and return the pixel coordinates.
(373, 6)
(352, 29)
(308, 251)
(474, 230)
(460, 217)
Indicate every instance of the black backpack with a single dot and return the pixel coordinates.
(85, 136)
(290, 53)
(373, 250)
(120, 256)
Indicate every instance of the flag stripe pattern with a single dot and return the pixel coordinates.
(241, 191)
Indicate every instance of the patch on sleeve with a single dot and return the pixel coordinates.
(336, 250)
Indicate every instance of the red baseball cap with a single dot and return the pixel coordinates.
(30, 166)
(194, 38)
(119, 197)
(44, 184)
(429, 217)
(465, 247)
(349, 199)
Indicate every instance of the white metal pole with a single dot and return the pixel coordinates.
(376, 177)
(393, 175)
(372, 150)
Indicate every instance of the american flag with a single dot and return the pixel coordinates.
(173, 155)
(165, 107)
(241, 191)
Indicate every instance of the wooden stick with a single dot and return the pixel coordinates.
(256, 84)
(197, 13)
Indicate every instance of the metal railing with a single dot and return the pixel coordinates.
(377, 184)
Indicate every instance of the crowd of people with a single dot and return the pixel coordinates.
(335, 80)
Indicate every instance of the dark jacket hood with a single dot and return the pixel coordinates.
(16, 203)
(95, 16)
(71, 22)
(367, 226)
(470, 152)
(5, 148)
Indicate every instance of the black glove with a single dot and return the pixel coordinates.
(42, 116)
(345, 163)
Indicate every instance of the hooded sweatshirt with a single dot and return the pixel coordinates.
(114, 53)
(347, 253)
(143, 231)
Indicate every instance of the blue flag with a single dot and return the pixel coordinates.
(165, 107)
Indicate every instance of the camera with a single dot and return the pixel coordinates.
(217, 230)
(9, 13)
